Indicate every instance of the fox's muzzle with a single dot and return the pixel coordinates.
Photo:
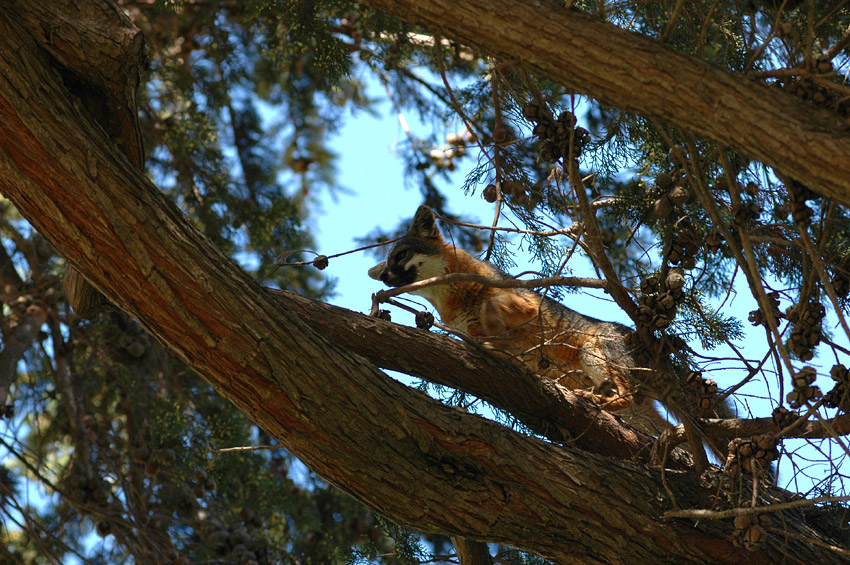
(377, 272)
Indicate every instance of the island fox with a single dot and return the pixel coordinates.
(582, 353)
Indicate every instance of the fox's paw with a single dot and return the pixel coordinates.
(605, 389)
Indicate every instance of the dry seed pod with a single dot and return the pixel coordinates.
(713, 240)
(424, 320)
(822, 64)
(675, 279)
(532, 111)
(649, 284)
(548, 151)
(662, 207)
(804, 377)
(543, 130)
(754, 537)
(694, 379)
(782, 417)
(679, 195)
(490, 193)
(663, 181)
(840, 373)
(666, 301)
(676, 254)
(103, 528)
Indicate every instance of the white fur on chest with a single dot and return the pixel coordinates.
(429, 267)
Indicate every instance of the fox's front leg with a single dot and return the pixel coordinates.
(610, 388)
(595, 366)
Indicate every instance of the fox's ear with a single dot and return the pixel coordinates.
(424, 224)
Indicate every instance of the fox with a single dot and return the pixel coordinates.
(592, 357)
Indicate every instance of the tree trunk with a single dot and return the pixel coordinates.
(399, 451)
(639, 74)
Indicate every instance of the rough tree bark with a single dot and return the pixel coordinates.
(100, 54)
(402, 453)
(636, 73)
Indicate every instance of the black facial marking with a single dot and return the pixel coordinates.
(395, 273)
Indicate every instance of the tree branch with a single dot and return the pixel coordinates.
(17, 344)
(539, 403)
(430, 466)
(650, 78)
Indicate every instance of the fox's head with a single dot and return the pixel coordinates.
(416, 256)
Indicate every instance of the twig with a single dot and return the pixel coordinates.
(286, 254)
(497, 164)
(454, 103)
(701, 514)
(613, 285)
(818, 543)
(217, 452)
(463, 336)
(384, 295)
(705, 24)
(671, 23)
(570, 231)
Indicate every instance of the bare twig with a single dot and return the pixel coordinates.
(674, 17)
(217, 452)
(571, 231)
(786, 533)
(384, 295)
(286, 254)
(497, 166)
(701, 514)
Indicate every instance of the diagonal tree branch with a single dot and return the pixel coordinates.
(541, 405)
(639, 74)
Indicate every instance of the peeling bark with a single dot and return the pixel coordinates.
(101, 55)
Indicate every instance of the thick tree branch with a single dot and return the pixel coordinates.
(103, 49)
(540, 404)
(101, 55)
(639, 74)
